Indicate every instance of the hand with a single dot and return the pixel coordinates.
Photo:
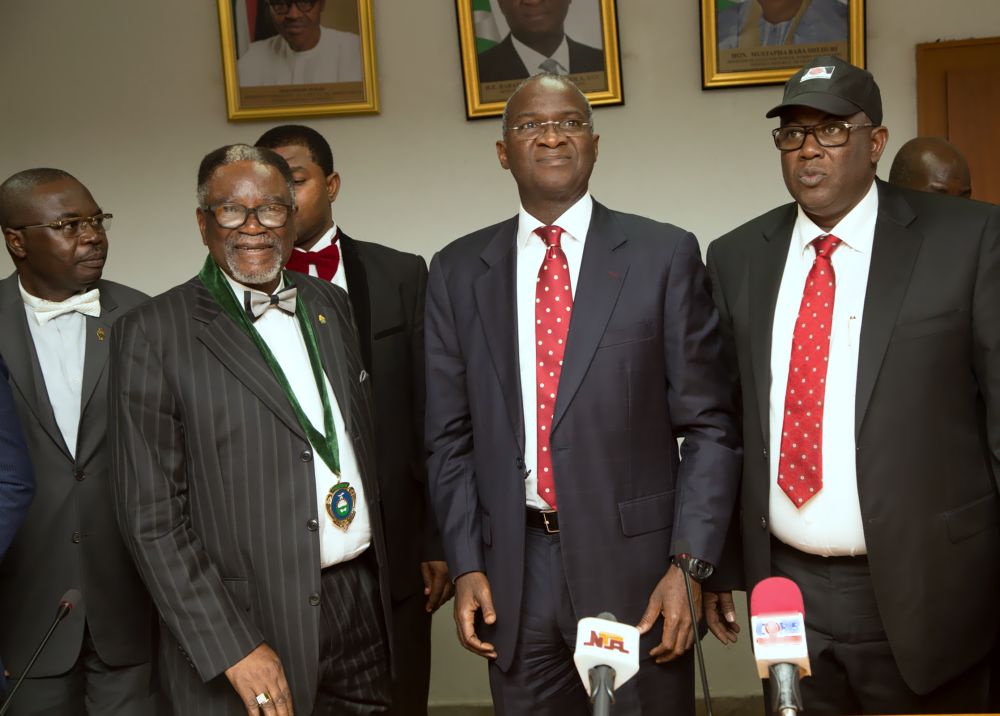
(472, 593)
(437, 584)
(258, 672)
(720, 615)
(669, 598)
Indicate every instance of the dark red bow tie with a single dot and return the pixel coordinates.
(325, 260)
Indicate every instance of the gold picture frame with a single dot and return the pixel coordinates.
(338, 78)
(740, 58)
(600, 67)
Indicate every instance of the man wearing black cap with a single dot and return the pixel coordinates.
(862, 322)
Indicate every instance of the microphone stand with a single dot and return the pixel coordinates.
(697, 643)
(64, 609)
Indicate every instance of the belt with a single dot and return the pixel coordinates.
(547, 520)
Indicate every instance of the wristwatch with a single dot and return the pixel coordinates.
(698, 569)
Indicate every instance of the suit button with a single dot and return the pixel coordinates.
(314, 599)
(763, 523)
(79, 475)
(519, 463)
(77, 538)
(312, 525)
(306, 455)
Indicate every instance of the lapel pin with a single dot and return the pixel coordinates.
(100, 334)
(322, 319)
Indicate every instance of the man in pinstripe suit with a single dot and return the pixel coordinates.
(243, 468)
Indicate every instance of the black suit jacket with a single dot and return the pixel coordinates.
(70, 537)
(642, 367)
(387, 289)
(501, 62)
(929, 362)
(215, 487)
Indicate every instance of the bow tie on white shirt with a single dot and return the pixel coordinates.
(89, 304)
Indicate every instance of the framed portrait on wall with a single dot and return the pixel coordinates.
(503, 42)
(761, 42)
(298, 58)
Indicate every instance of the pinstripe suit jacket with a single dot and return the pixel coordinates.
(214, 485)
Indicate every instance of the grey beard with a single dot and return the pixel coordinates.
(251, 279)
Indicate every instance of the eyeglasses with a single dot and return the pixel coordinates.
(281, 7)
(233, 216)
(73, 226)
(828, 134)
(566, 127)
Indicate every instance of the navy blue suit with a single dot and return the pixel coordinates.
(17, 480)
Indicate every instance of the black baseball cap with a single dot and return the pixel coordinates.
(831, 85)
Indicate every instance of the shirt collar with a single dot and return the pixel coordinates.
(324, 240)
(533, 59)
(575, 222)
(856, 230)
(35, 303)
(238, 288)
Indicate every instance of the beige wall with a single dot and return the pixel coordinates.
(128, 95)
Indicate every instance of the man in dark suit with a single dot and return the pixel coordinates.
(537, 42)
(17, 480)
(57, 317)
(863, 324)
(243, 469)
(387, 290)
(567, 348)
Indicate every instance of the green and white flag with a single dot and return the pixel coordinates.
(487, 33)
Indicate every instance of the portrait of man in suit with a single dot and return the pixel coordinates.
(567, 348)
(386, 288)
(862, 323)
(766, 23)
(57, 316)
(244, 468)
(537, 42)
(303, 51)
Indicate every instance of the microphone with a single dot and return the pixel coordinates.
(779, 641)
(70, 599)
(607, 655)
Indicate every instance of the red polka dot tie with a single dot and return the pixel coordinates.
(553, 306)
(800, 466)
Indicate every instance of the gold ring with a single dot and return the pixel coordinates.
(263, 698)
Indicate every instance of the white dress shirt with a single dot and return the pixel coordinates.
(830, 523)
(283, 335)
(60, 344)
(339, 278)
(533, 59)
(530, 254)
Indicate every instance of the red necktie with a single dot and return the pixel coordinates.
(800, 467)
(553, 306)
(325, 260)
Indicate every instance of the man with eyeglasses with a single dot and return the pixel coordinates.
(243, 467)
(57, 317)
(862, 322)
(387, 289)
(568, 347)
(303, 51)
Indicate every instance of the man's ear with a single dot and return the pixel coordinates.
(15, 242)
(333, 186)
(502, 154)
(200, 216)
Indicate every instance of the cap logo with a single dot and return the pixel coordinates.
(818, 73)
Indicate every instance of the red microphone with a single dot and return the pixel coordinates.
(778, 630)
(70, 599)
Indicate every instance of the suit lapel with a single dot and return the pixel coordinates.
(98, 337)
(894, 253)
(22, 362)
(602, 275)
(767, 265)
(237, 353)
(360, 295)
(496, 302)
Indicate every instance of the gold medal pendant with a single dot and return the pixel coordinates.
(341, 505)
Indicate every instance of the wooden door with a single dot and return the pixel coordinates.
(958, 97)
